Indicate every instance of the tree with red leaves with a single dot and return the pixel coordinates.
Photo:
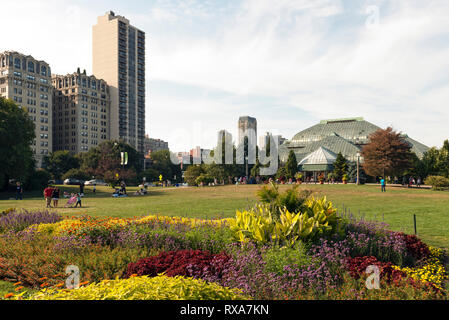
(386, 154)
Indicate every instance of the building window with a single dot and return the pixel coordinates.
(30, 66)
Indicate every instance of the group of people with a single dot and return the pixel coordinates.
(53, 194)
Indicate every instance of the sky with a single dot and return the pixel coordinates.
(290, 64)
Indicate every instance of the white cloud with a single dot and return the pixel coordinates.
(290, 50)
(314, 57)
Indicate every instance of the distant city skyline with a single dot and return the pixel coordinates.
(289, 64)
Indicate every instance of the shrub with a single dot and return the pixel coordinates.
(204, 179)
(431, 271)
(190, 263)
(18, 221)
(415, 247)
(291, 200)
(145, 288)
(437, 182)
(318, 218)
(357, 268)
(277, 258)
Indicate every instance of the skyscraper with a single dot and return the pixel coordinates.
(119, 59)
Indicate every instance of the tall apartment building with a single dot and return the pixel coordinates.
(81, 111)
(27, 81)
(119, 59)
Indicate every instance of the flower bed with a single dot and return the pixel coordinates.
(262, 258)
(145, 288)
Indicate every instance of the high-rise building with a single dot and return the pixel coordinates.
(153, 145)
(27, 81)
(119, 59)
(245, 125)
(81, 111)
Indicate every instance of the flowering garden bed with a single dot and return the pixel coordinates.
(313, 254)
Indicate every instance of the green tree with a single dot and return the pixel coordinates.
(291, 167)
(16, 136)
(162, 163)
(340, 166)
(192, 173)
(107, 158)
(151, 175)
(38, 180)
(60, 162)
(216, 171)
(76, 174)
(352, 173)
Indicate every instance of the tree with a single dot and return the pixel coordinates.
(76, 174)
(16, 137)
(192, 173)
(352, 173)
(340, 166)
(163, 164)
(386, 154)
(107, 158)
(216, 171)
(291, 167)
(38, 180)
(60, 162)
(150, 174)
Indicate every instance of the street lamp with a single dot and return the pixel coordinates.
(358, 168)
(246, 158)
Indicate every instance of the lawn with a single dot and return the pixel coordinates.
(396, 207)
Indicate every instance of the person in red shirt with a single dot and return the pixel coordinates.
(48, 193)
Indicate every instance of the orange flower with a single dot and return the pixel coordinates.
(45, 284)
(84, 283)
(59, 285)
(19, 288)
(17, 283)
(9, 295)
(42, 279)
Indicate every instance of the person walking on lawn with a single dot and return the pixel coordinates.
(48, 193)
(383, 185)
(19, 191)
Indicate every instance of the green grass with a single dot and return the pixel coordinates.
(396, 207)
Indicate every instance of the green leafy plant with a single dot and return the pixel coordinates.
(318, 218)
(291, 200)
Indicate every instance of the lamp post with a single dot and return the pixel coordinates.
(358, 168)
(246, 158)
